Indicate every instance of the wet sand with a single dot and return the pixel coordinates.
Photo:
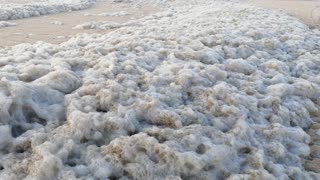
(306, 10)
(35, 29)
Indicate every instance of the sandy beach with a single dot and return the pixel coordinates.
(306, 10)
(48, 28)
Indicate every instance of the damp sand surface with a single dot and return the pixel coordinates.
(306, 10)
(47, 28)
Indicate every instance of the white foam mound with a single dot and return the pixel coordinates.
(114, 14)
(26, 10)
(98, 25)
(104, 25)
(57, 23)
(212, 91)
(4, 24)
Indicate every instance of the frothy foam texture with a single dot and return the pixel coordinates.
(25, 10)
(4, 24)
(217, 90)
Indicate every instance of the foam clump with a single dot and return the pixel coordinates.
(105, 25)
(114, 14)
(13, 11)
(57, 23)
(63, 81)
(4, 24)
(217, 90)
